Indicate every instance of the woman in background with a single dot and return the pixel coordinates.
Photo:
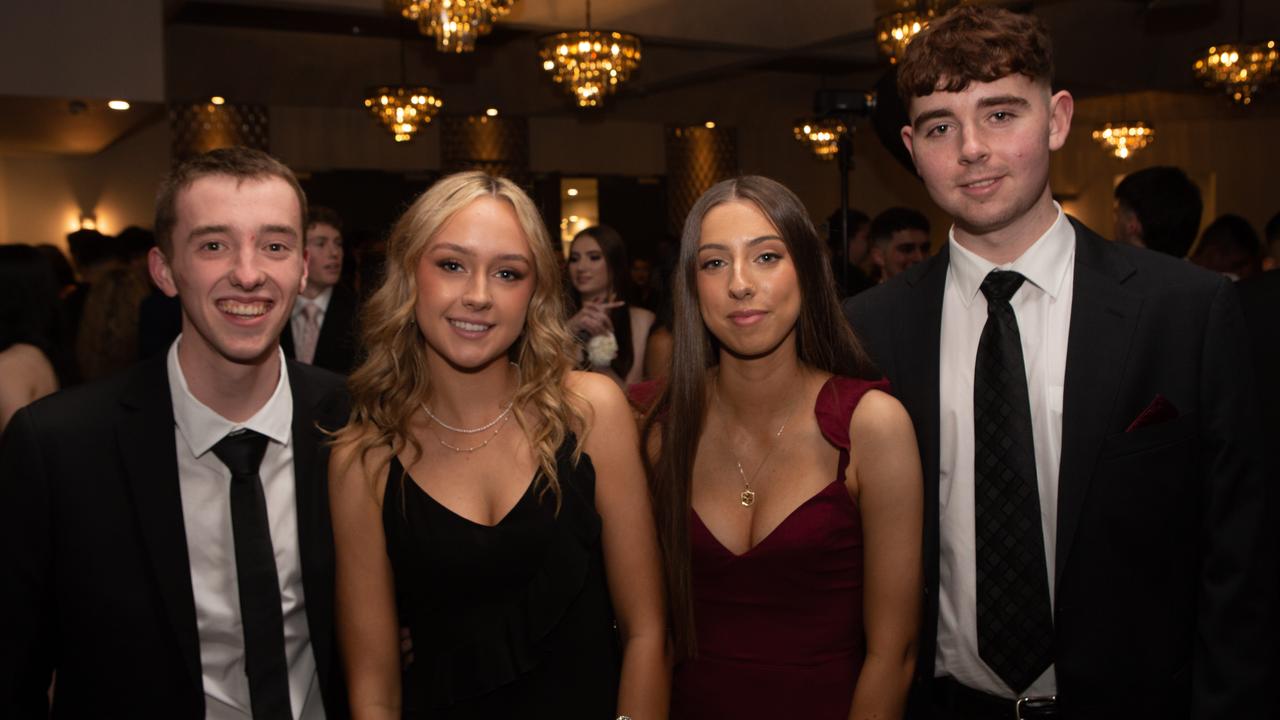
(29, 328)
(787, 486)
(484, 495)
(599, 275)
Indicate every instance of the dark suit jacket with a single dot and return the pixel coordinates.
(93, 555)
(1163, 568)
(336, 346)
(1260, 297)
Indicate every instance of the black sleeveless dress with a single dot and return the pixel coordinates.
(512, 620)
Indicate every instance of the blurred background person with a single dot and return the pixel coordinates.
(107, 341)
(599, 277)
(1158, 208)
(1230, 246)
(1271, 237)
(29, 328)
(322, 329)
(862, 270)
(899, 239)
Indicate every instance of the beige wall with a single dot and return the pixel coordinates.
(45, 195)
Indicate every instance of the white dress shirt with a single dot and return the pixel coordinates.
(205, 485)
(1043, 308)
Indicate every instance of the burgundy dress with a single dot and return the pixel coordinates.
(779, 628)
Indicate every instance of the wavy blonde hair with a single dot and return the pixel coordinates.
(389, 385)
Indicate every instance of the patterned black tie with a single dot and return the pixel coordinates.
(1015, 623)
(260, 612)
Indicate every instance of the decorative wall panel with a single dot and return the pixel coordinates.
(697, 158)
(201, 127)
(497, 145)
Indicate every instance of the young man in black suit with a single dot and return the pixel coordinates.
(321, 329)
(1096, 539)
(165, 544)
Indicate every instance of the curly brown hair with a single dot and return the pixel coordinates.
(975, 43)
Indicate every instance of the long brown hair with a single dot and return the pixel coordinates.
(388, 387)
(614, 251)
(824, 342)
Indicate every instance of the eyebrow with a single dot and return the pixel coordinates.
(985, 102)
(454, 247)
(203, 230)
(750, 243)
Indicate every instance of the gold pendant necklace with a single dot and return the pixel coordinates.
(502, 423)
(747, 497)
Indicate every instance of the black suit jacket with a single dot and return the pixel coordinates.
(336, 346)
(1163, 562)
(93, 554)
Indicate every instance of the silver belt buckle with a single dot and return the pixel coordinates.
(1031, 702)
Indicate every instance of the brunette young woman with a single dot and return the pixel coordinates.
(787, 486)
(599, 276)
(510, 587)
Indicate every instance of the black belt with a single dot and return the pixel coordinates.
(964, 703)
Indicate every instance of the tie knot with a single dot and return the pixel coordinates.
(242, 452)
(1000, 285)
(310, 311)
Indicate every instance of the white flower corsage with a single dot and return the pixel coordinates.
(601, 350)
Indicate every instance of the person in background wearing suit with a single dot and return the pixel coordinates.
(321, 329)
(1096, 536)
(165, 543)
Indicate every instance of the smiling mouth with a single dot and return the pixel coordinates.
(244, 309)
(979, 184)
(469, 326)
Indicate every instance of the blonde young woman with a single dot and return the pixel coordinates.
(510, 587)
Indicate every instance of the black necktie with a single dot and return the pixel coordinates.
(1015, 623)
(260, 612)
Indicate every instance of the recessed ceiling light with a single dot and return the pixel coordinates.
(491, 112)
(710, 124)
(571, 192)
(118, 104)
(217, 100)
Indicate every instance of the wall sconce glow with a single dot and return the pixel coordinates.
(710, 124)
(118, 104)
(571, 192)
(491, 112)
(218, 100)
(88, 222)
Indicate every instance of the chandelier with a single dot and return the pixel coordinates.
(820, 135)
(589, 63)
(455, 24)
(404, 109)
(895, 31)
(1239, 69)
(1124, 139)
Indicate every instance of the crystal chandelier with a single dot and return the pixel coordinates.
(1124, 139)
(895, 31)
(404, 109)
(1239, 69)
(455, 24)
(589, 63)
(820, 135)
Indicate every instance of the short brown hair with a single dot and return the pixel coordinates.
(241, 163)
(974, 43)
(318, 214)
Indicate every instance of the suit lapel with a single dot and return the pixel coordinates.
(920, 334)
(1103, 317)
(315, 540)
(147, 446)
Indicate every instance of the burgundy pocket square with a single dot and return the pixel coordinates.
(1160, 410)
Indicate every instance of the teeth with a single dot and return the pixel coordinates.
(243, 309)
(469, 327)
(981, 183)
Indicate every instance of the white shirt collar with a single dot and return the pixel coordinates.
(1044, 264)
(321, 301)
(202, 427)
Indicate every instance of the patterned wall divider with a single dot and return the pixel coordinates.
(697, 158)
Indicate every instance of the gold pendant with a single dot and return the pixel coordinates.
(748, 498)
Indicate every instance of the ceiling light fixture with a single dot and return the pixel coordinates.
(589, 63)
(895, 30)
(455, 24)
(118, 104)
(1124, 139)
(218, 100)
(1239, 69)
(820, 135)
